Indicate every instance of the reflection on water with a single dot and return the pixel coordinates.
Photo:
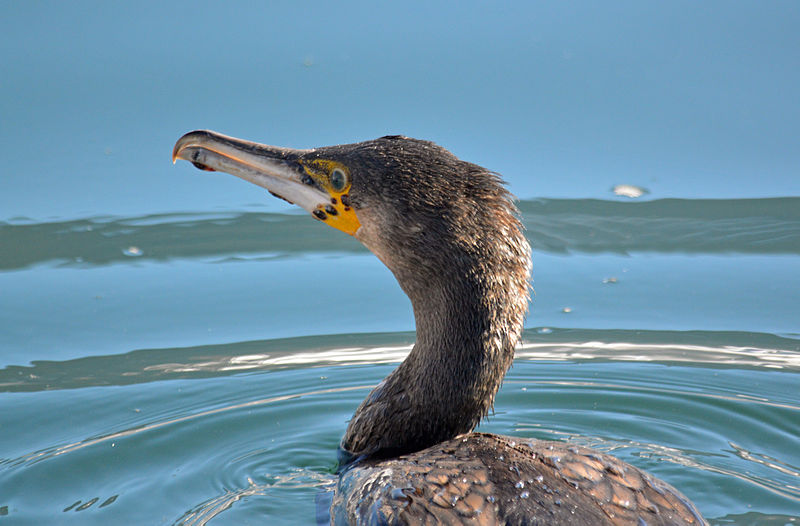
(702, 348)
(670, 353)
(159, 367)
(696, 226)
(302, 480)
(716, 423)
(207, 421)
(67, 448)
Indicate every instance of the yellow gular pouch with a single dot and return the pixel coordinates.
(334, 177)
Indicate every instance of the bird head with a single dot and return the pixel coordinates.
(415, 205)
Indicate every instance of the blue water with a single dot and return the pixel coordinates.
(168, 354)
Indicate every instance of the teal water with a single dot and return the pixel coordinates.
(179, 347)
(189, 368)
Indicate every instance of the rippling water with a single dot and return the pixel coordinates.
(201, 368)
(172, 354)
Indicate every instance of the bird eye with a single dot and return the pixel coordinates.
(338, 179)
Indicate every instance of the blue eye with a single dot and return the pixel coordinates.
(338, 180)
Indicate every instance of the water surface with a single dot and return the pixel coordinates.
(186, 368)
(178, 347)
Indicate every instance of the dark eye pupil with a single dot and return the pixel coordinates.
(337, 180)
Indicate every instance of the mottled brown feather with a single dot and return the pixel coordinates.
(482, 479)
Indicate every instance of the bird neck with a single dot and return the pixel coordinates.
(466, 334)
(468, 324)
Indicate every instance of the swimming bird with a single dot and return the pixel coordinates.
(449, 232)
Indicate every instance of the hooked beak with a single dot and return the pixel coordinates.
(279, 170)
(276, 169)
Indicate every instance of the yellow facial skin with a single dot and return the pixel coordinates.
(338, 213)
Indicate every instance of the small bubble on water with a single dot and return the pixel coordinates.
(629, 190)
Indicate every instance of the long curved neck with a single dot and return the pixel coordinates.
(466, 334)
(468, 323)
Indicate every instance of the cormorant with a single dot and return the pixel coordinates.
(449, 232)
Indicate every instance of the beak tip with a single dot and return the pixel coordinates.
(185, 141)
(175, 152)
